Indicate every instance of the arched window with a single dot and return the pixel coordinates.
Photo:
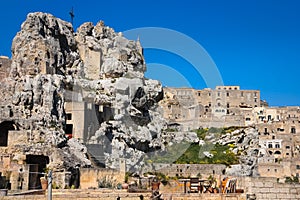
(293, 130)
(277, 152)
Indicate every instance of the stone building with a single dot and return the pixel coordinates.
(219, 107)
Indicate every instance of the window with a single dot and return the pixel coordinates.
(199, 94)
(242, 94)
(287, 147)
(269, 117)
(219, 104)
(297, 166)
(69, 116)
(255, 94)
(227, 105)
(227, 94)
(277, 145)
(275, 170)
(270, 145)
(248, 119)
(209, 94)
(293, 130)
(218, 94)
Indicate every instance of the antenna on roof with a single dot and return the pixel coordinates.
(72, 15)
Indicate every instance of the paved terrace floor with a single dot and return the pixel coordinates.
(107, 194)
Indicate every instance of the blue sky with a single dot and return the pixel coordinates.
(253, 43)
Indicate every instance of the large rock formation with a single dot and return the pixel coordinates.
(53, 65)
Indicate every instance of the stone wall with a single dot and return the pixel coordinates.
(90, 178)
(187, 170)
(269, 188)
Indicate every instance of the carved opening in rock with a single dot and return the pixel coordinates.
(4, 128)
(37, 166)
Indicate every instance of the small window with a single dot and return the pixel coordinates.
(69, 116)
(227, 94)
(242, 94)
(297, 166)
(287, 147)
(270, 145)
(255, 94)
(293, 130)
(269, 117)
(266, 130)
(199, 94)
(228, 105)
(248, 119)
(218, 94)
(275, 170)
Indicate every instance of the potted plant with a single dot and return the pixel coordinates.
(125, 185)
(155, 184)
(44, 182)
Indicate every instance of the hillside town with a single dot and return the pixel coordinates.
(78, 116)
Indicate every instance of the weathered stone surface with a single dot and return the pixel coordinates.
(52, 65)
(245, 141)
(45, 45)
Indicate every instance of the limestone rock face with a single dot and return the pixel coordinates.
(108, 54)
(45, 45)
(53, 66)
(246, 141)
